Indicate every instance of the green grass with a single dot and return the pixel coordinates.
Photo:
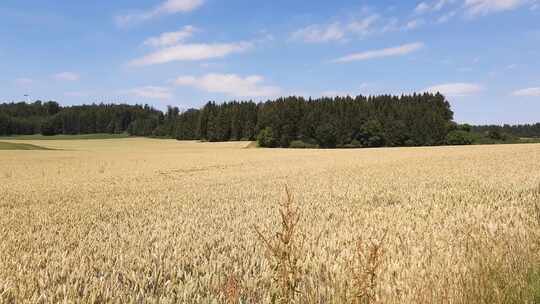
(482, 139)
(529, 140)
(534, 283)
(66, 137)
(17, 146)
(252, 145)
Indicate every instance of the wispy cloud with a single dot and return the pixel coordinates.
(422, 7)
(171, 38)
(387, 52)
(333, 93)
(433, 6)
(230, 84)
(191, 52)
(363, 26)
(446, 17)
(24, 81)
(528, 92)
(447, 9)
(484, 7)
(320, 33)
(76, 94)
(456, 89)
(356, 28)
(511, 66)
(413, 24)
(166, 8)
(67, 76)
(150, 92)
(360, 89)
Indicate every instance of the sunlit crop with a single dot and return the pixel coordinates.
(148, 221)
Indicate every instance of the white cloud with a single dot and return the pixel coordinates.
(413, 24)
(24, 81)
(76, 94)
(171, 38)
(320, 33)
(211, 65)
(470, 8)
(364, 26)
(456, 89)
(230, 84)
(371, 23)
(446, 17)
(530, 92)
(391, 25)
(511, 66)
(360, 90)
(442, 3)
(360, 27)
(67, 76)
(176, 6)
(151, 92)
(332, 93)
(342, 31)
(426, 7)
(422, 7)
(388, 52)
(191, 52)
(484, 7)
(165, 8)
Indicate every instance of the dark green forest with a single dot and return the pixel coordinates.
(522, 131)
(49, 118)
(339, 122)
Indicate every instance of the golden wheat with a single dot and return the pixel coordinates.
(148, 221)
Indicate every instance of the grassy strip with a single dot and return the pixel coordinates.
(17, 146)
(252, 145)
(67, 137)
(534, 286)
(488, 141)
(529, 140)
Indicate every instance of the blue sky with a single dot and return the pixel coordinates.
(483, 54)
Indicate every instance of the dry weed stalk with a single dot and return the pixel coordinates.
(368, 260)
(284, 249)
(231, 290)
(537, 204)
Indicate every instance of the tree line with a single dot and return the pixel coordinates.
(49, 118)
(523, 131)
(344, 122)
(332, 122)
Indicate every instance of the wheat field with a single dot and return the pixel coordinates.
(162, 221)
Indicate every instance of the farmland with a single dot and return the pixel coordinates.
(147, 220)
(19, 146)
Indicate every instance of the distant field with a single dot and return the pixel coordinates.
(65, 137)
(141, 220)
(529, 140)
(19, 146)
